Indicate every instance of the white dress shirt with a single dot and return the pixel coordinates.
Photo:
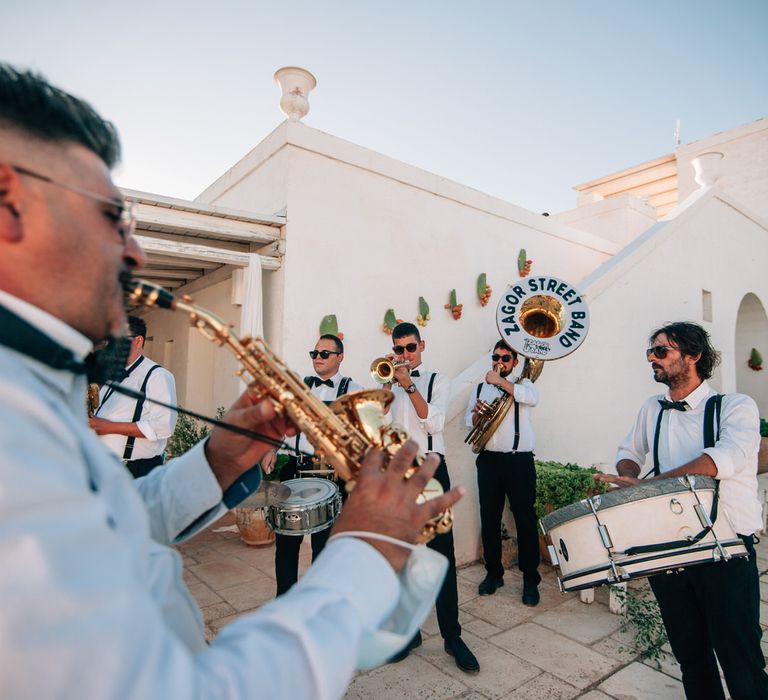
(156, 422)
(682, 440)
(324, 393)
(503, 439)
(92, 600)
(403, 413)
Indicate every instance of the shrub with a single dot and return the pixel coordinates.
(559, 485)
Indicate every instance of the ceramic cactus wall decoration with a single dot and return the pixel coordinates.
(329, 324)
(423, 318)
(390, 321)
(755, 360)
(523, 264)
(483, 289)
(454, 306)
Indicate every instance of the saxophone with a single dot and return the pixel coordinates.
(341, 433)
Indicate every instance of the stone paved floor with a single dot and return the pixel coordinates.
(559, 650)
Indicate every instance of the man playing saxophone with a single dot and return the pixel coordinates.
(91, 584)
(505, 466)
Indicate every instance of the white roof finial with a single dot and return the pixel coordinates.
(296, 84)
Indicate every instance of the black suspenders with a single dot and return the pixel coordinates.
(129, 443)
(429, 398)
(711, 428)
(517, 419)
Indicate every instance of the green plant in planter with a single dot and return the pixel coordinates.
(763, 428)
(643, 617)
(559, 485)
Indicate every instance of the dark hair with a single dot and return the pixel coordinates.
(30, 104)
(503, 344)
(401, 330)
(137, 327)
(335, 339)
(691, 339)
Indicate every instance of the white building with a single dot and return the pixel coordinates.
(308, 224)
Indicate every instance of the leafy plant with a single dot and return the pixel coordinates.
(188, 432)
(763, 427)
(643, 617)
(559, 485)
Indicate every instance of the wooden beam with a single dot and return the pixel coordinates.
(196, 251)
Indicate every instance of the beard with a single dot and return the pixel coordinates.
(673, 375)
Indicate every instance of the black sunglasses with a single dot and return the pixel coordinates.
(658, 351)
(400, 349)
(325, 354)
(501, 358)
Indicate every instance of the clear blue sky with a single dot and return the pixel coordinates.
(522, 100)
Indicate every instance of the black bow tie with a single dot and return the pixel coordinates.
(320, 382)
(415, 373)
(673, 405)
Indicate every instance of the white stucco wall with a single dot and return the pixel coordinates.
(744, 168)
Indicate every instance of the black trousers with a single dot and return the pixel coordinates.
(510, 475)
(447, 604)
(714, 610)
(142, 467)
(287, 546)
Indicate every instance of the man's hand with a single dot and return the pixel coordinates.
(617, 480)
(403, 375)
(268, 461)
(383, 501)
(230, 454)
(493, 377)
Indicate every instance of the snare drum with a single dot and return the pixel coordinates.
(638, 531)
(313, 505)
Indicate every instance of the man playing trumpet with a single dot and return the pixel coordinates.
(505, 466)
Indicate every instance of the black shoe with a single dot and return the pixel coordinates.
(530, 594)
(465, 659)
(415, 643)
(489, 585)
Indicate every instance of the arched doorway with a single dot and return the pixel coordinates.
(752, 332)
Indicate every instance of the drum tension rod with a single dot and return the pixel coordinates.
(705, 520)
(617, 572)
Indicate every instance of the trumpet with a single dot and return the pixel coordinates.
(341, 433)
(383, 369)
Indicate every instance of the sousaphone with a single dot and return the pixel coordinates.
(542, 319)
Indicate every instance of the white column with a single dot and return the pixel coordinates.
(246, 291)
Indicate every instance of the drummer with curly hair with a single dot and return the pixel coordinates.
(710, 611)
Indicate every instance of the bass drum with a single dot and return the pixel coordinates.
(638, 531)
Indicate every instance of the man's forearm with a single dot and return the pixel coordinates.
(108, 427)
(703, 464)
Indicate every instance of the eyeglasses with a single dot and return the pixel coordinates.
(658, 351)
(325, 354)
(501, 358)
(400, 349)
(123, 217)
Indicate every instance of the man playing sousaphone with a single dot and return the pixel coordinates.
(711, 611)
(505, 466)
(327, 384)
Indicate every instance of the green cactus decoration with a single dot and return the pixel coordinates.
(329, 325)
(390, 321)
(423, 318)
(755, 361)
(453, 305)
(483, 289)
(523, 264)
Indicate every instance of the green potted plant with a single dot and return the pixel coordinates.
(558, 485)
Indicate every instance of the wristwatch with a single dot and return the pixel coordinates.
(410, 389)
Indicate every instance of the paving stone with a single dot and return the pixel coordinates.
(573, 663)
(594, 695)
(203, 594)
(544, 687)
(481, 628)
(640, 682)
(615, 650)
(584, 623)
(500, 671)
(474, 573)
(225, 573)
(666, 664)
(216, 611)
(411, 679)
(249, 595)
(501, 611)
